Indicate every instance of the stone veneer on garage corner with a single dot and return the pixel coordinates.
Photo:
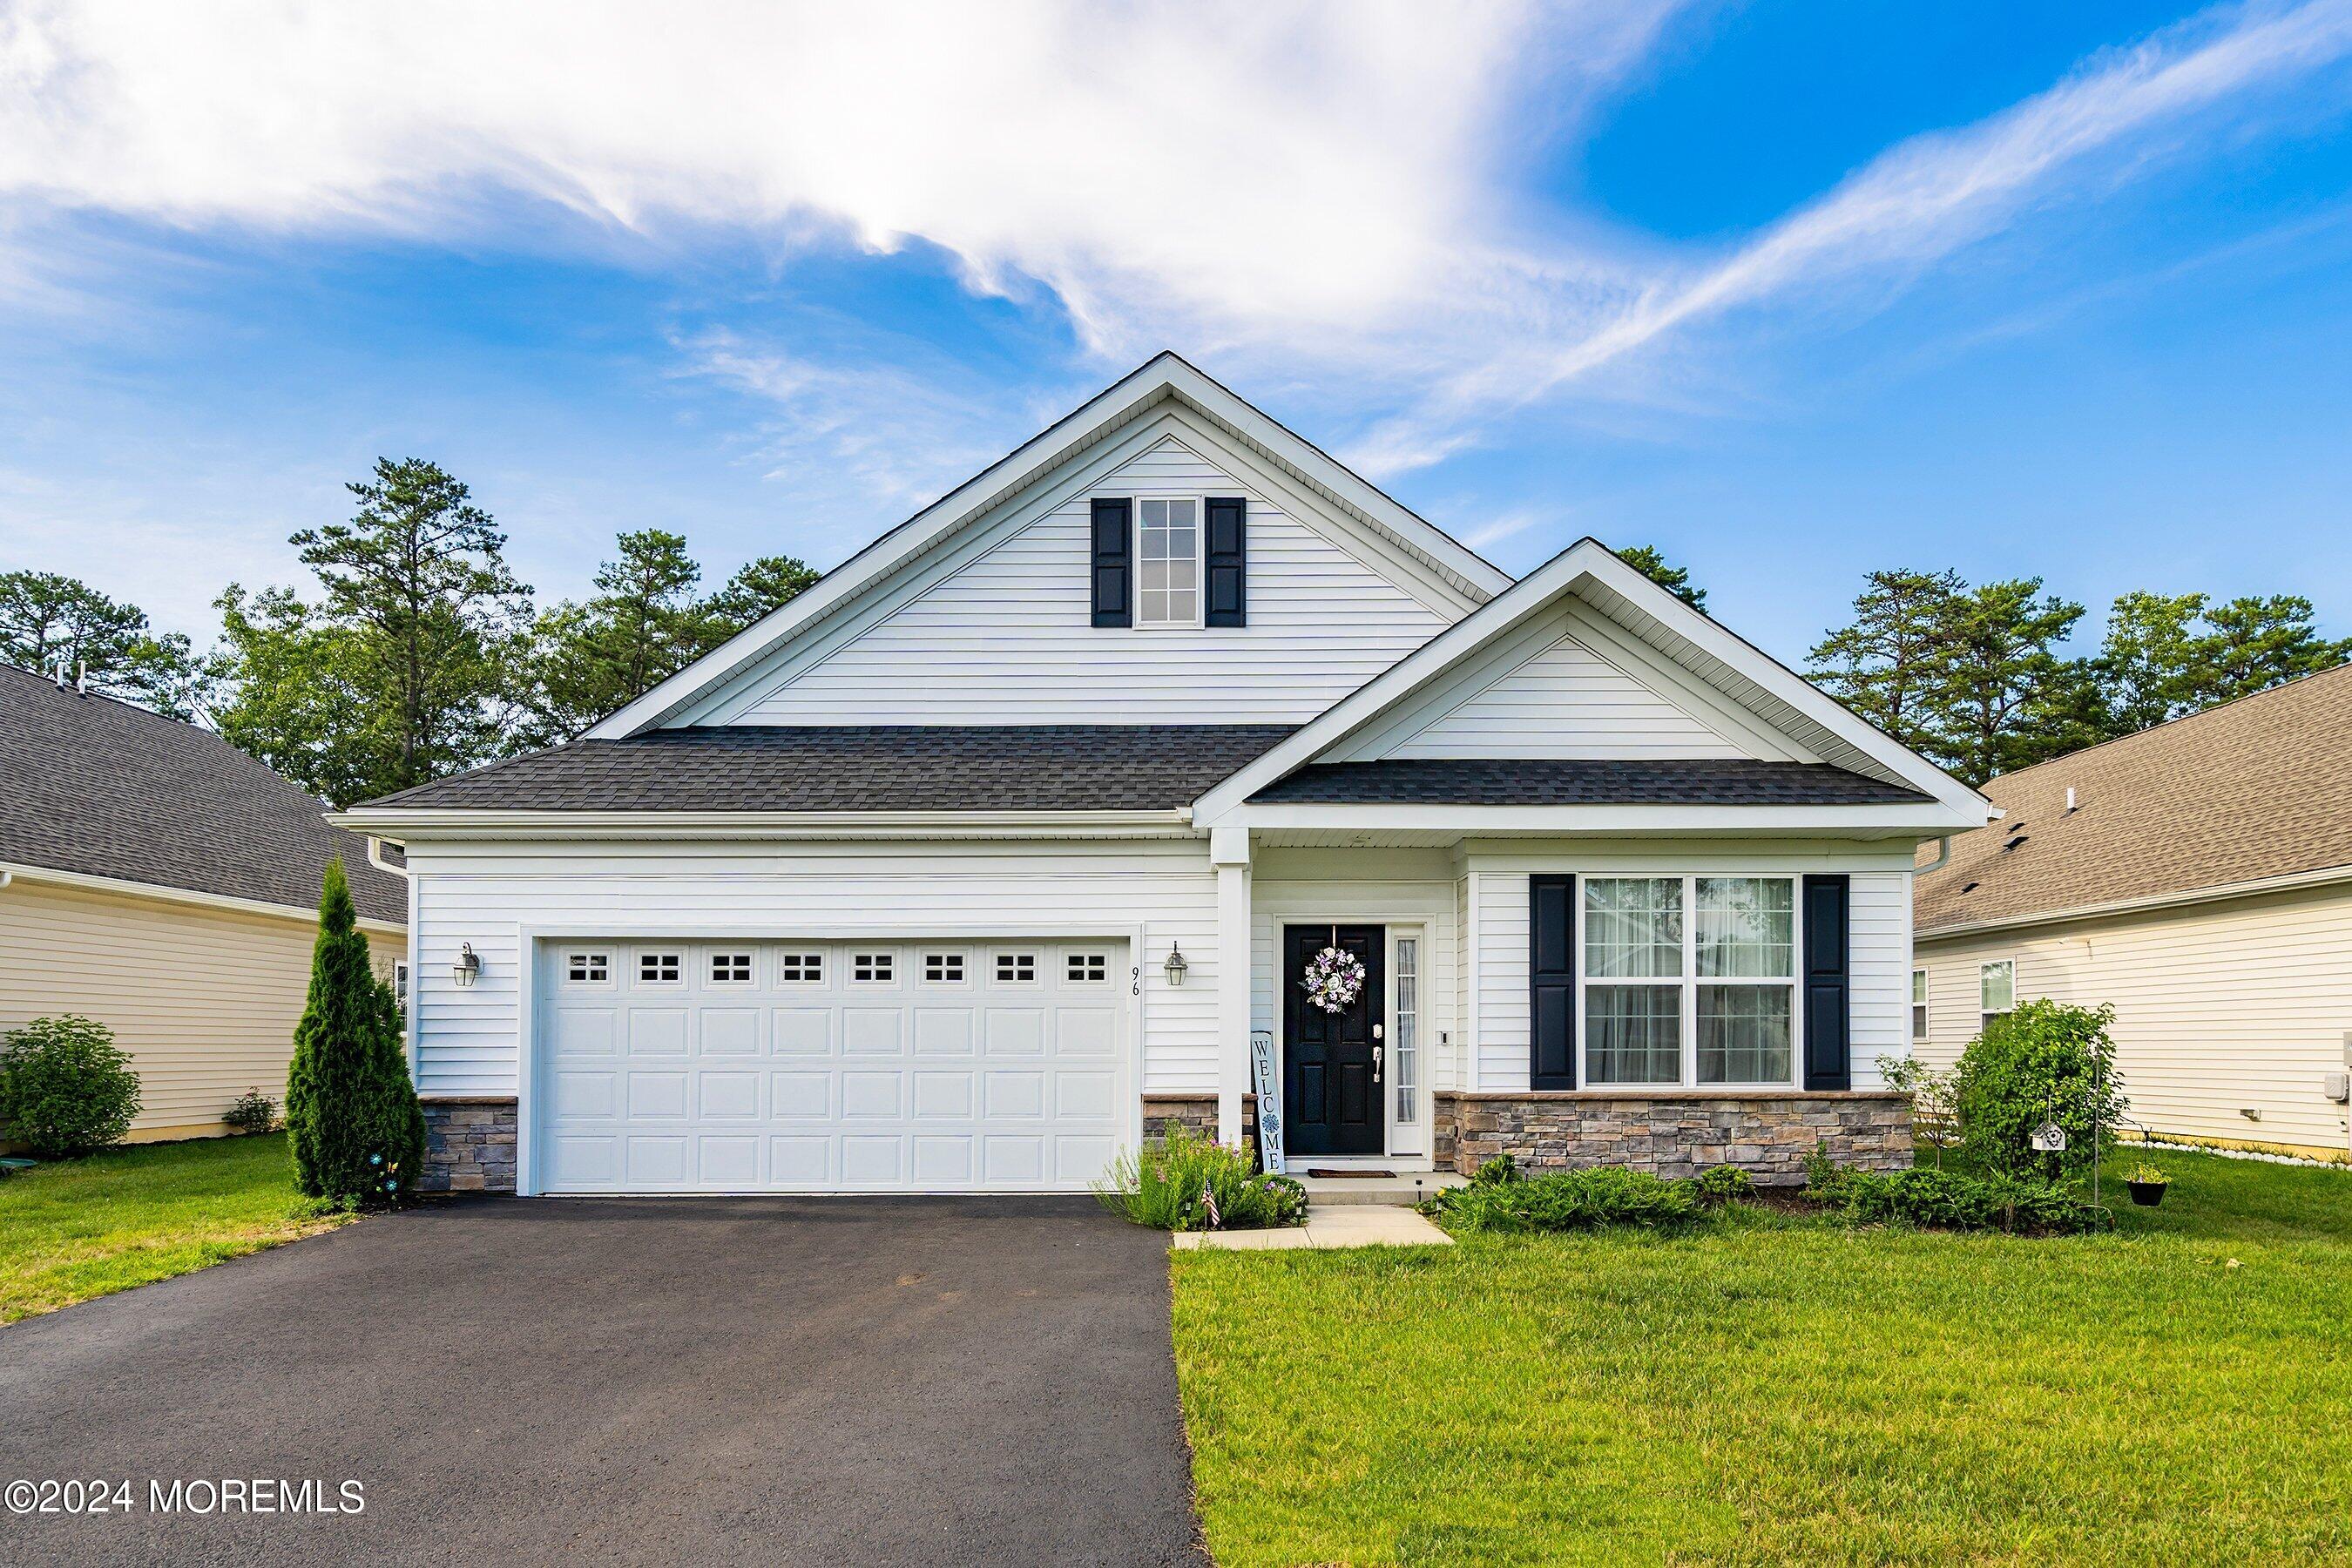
(1674, 1134)
(469, 1146)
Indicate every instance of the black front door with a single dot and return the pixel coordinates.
(1331, 1061)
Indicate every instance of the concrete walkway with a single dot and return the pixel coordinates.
(1366, 1224)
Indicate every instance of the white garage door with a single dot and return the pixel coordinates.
(739, 1067)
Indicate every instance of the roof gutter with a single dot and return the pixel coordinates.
(2220, 893)
(122, 887)
(402, 827)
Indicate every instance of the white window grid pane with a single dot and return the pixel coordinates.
(943, 968)
(1744, 1033)
(1633, 927)
(1745, 927)
(730, 968)
(660, 968)
(1088, 967)
(1633, 1034)
(1408, 1029)
(801, 969)
(590, 968)
(871, 968)
(1017, 968)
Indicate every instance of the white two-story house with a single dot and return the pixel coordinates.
(997, 846)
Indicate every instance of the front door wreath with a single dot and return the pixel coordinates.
(1333, 979)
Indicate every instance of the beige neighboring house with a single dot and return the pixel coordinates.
(2198, 876)
(158, 880)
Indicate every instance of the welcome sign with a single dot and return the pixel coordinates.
(1269, 1102)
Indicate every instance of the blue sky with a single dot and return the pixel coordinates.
(1792, 291)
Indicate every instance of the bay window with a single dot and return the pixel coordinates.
(1689, 981)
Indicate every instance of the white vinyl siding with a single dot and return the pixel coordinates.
(2220, 1008)
(999, 630)
(1879, 952)
(205, 1000)
(486, 893)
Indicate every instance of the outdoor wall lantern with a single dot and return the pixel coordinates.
(1175, 966)
(468, 965)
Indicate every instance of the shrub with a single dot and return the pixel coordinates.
(1934, 1118)
(1722, 1183)
(1189, 1179)
(352, 1116)
(252, 1111)
(65, 1090)
(2044, 1062)
(1949, 1201)
(1501, 1169)
(1570, 1200)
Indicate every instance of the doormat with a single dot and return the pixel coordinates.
(1349, 1175)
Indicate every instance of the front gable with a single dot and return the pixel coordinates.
(976, 610)
(997, 626)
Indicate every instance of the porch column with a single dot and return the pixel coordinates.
(1229, 852)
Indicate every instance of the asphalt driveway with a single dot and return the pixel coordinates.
(781, 1380)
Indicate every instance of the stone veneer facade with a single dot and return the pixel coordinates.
(1198, 1113)
(1674, 1133)
(469, 1146)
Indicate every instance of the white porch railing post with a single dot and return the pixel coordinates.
(1229, 852)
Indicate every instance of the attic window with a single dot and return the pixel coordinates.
(1168, 562)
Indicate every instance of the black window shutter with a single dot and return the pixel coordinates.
(1829, 1030)
(1113, 552)
(1551, 982)
(1228, 562)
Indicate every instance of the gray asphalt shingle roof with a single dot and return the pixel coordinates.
(1055, 767)
(91, 785)
(1523, 781)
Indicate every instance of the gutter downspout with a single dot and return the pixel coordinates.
(376, 859)
(1943, 854)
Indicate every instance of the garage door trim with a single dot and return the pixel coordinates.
(532, 939)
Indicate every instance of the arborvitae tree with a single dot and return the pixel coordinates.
(351, 1114)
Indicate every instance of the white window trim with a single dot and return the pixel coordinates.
(824, 966)
(638, 967)
(1037, 967)
(1923, 1006)
(1985, 1014)
(399, 983)
(1690, 980)
(711, 958)
(612, 957)
(890, 957)
(1070, 956)
(962, 956)
(1200, 561)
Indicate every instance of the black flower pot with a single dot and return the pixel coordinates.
(2148, 1194)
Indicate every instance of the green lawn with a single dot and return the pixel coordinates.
(1769, 1391)
(89, 1227)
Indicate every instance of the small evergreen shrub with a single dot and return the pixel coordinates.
(65, 1089)
(352, 1120)
(1192, 1183)
(1947, 1200)
(1722, 1183)
(2044, 1062)
(1497, 1172)
(1570, 1200)
(252, 1111)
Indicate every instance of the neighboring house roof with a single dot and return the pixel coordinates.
(914, 767)
(1497, 782)
(1164, 378)
(2254, 790)
(98, 788)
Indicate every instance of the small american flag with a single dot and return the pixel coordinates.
(1209, 1202)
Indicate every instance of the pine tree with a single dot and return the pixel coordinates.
(352, 1115)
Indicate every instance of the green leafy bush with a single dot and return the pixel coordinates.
(1947, 1200)
(1501, 1169)
(1570, 1200)
(65, 1090)
(2044, 1062)
(1721, 1184)
(352, 1116)
(1192, 1183)
(252, 1111)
